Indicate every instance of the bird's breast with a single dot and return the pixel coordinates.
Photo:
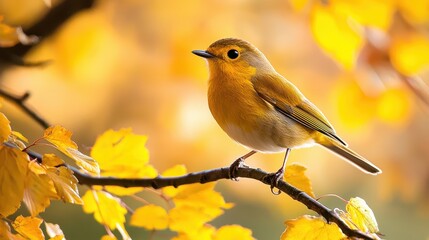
(251, 121)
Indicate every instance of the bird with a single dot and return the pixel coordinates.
(263, 111)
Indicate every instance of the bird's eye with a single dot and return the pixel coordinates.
(233, 54)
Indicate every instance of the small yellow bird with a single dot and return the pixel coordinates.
(262, 110)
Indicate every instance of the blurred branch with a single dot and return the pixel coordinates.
(20, 101)
(417, 86)
(47, 25)
(196, 177)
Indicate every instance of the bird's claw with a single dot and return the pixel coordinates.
(274, 179)
(233, 169)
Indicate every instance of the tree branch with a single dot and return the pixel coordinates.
(47, 25)
(20, 101)
(196, 177)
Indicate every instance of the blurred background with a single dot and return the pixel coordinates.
(117, 64)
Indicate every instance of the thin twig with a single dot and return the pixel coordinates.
(20, 101)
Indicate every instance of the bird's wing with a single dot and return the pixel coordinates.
(289, 101)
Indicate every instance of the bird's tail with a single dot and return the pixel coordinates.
(349, 155)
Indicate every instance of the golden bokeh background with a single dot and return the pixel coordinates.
(129, 64)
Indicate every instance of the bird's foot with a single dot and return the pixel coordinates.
(233, 169)
(274, 179)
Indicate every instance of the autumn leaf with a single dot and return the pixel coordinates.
(204, 233)
(39, 189)
(29, 227)
(106, 208)
(60, 137)
(416, 12)
(151, 217)
(233, 232)
(86, 163)
(335, 36)
(5, 233)
(19, 136)
(116, 150)
(395, 106)
(5, 129)
(51, 160)
(108, 237)
(177, 170)
(195, 205)
(8, 35)
(202, 197)
(295, 175)
(188, 219)
(407, 53)
(13, 170)
(54, 231)
(309, 227)
(65, 184)
(123, 154)
(377, 14)
(361, 215)
(298, 5)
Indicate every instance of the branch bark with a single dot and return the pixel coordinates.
(195, 177)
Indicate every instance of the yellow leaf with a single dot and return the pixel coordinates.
(19, 136)
(335, 36)
(177, 170)
(13, 169)
(232, 232)
(86, 163)
(361, 215)
(5, 233)
(309, 228)
(394, 106)
(298, 5)
(29, 227)
(295, 175)
(416, 12)
(123, 154)
(5, 129)
(65, 184)
(409, 53)
(119, 150)
(8, 35)
(108, 237)
(60, 137)
(54, 231)
(188, 219)
(151, 217)
(39, 189)
(107, 209)
(51, 160)
(372, 13)
(202, 197)
(348, 93)
(204, 233)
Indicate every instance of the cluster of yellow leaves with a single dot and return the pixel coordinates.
(392, 106)
(119, 154)
(340, 29)
(23, 179)
(191, 206)
(123, 154)
(358, 215)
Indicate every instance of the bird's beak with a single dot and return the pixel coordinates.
(203, 54)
